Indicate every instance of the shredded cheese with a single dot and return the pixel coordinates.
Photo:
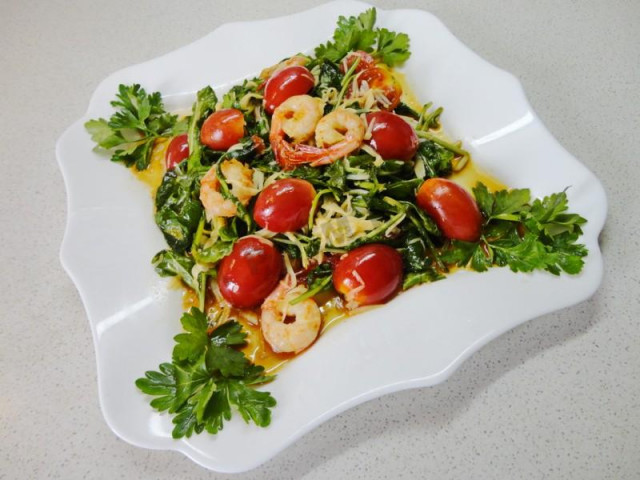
(338, 226)
(303, 254)
(371, 151)
(350, 296)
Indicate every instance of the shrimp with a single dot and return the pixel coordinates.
(299, 116)
(340, 133)
(282, 334)
(240, 179)
(339, 126)
(295, 61)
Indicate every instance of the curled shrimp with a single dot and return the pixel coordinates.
(298, 117)
(282, 334)
(340, 126)
(240, 180)
(340, 133)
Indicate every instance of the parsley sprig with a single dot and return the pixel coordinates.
(207, 376)
(523, 235)
(358, 33)
(131, 131)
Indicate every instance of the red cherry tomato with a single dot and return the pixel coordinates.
(380, 78)
(250, 272)
(284, 205)
(369, 274)
(222, 129)
(366, 61)
(391, 136)
(177, 151)
(286, 83)
(455, 211)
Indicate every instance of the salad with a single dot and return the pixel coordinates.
(302, 196)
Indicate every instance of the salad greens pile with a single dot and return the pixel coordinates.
(359, 200)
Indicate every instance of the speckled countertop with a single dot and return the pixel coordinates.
(554, 398)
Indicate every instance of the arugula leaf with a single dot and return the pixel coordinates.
(132, 130)
(416, 278)
(205, 104)
(205, 250)
(178, 208)
(207, 377)
(437, 160)
(329, 77)
(336, 175)
(168, 263)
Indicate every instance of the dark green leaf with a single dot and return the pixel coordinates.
(229, 333)
(392, 48)
(227, 361)
(191, 345)
(205, 104)
(436, 159)
(252, 404)
(412, 279)
(510, 201)
(171, 264)
(218, 410)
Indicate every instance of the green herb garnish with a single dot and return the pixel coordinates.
(207, 376)
(131, 131)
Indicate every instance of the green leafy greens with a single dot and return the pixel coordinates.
(208, 376)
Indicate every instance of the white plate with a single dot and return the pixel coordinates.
(417, 340)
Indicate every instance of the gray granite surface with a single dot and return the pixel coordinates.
(555, 398)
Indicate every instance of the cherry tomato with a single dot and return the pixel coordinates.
(380, 78)
(366, 61)
(391, 136)
(455, 211)
(177, 151)
(250, 272)
(286, 83)
(222, 129)
(284, 205)
(369, 274)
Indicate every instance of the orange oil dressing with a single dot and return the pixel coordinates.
(152, 175)
(470, 175)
